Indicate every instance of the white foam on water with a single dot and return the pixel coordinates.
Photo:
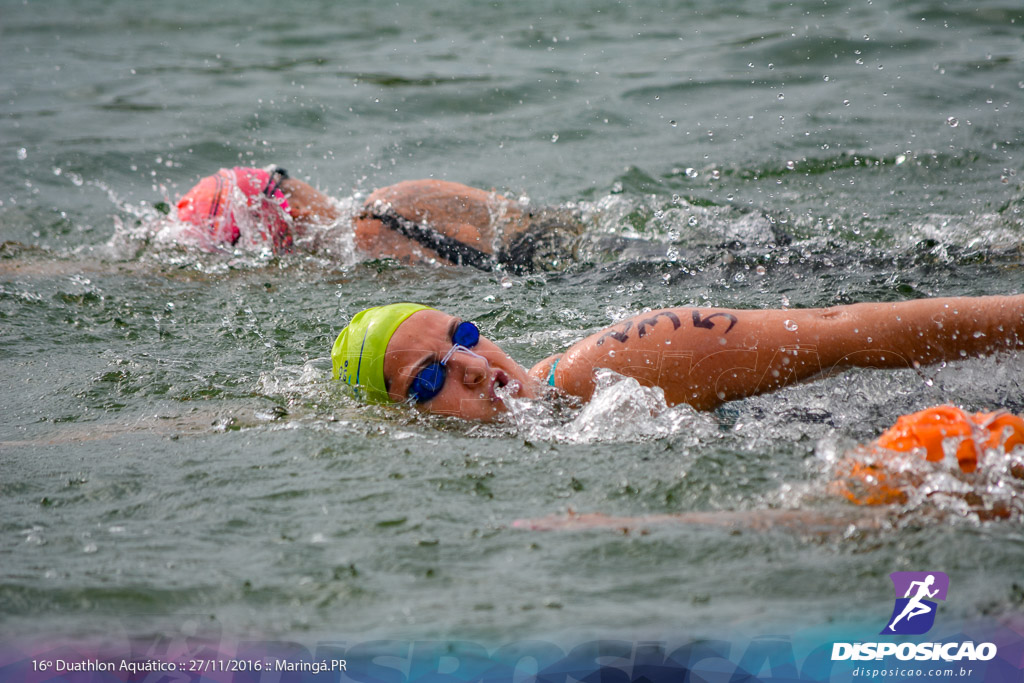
(621, 409)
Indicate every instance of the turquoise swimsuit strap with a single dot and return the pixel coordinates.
(551, 372)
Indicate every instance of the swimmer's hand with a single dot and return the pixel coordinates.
(307, 205)
(574, 521)
(814, 522)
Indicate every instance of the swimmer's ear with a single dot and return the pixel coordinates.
(163, 207)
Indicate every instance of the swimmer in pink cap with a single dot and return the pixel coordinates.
(266, 207)
(412, 221)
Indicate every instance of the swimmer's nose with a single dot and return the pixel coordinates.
(473, 367)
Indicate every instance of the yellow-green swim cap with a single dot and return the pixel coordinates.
(358, 352)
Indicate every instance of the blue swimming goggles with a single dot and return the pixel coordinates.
(430, 380)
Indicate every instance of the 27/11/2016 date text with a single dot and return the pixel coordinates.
(192, 666)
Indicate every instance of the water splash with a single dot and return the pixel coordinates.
(335, 241)
(655, 220)
(621, 409)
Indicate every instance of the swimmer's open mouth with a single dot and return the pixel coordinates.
(500, 381)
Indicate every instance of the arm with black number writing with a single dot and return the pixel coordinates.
(705, 356)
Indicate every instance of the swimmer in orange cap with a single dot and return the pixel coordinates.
(411, 221)
(877, 475)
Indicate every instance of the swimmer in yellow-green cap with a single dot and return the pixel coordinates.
(404, 351)
(699, 356)
(358, 353)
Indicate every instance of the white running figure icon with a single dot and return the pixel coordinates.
(915, 607)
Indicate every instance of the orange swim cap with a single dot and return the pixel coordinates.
(214, 206)
(874, 477)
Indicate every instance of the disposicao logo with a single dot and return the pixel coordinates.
(913, 614)
(916, 593)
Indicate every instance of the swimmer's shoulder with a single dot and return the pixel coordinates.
(544, 371)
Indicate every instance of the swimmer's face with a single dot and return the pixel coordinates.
(470, 378)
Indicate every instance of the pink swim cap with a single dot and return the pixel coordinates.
(214, 207)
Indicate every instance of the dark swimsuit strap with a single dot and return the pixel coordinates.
(283, 235)
(446, 247)
(277, 176)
